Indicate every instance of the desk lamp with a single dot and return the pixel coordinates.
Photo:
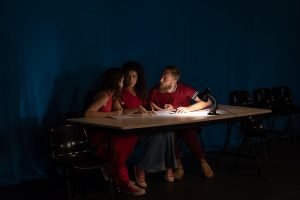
(204, 96)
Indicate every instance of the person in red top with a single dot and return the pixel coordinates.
(158, 154)
(171, 95)
(106, 104)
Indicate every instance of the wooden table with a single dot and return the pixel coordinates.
(169, 121)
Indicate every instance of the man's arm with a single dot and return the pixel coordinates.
(198, 105)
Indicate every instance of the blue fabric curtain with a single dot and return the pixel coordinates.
(53, 52)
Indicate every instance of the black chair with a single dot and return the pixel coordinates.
(241, 98)
(263, 98)
(71, 151)
(284, 106)
(255, 133)
(266, 98)
(250, 128)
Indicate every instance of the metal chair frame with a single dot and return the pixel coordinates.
(71, 150)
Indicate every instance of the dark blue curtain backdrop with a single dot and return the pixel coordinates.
(53, 52)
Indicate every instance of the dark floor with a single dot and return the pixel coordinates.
(242, 184)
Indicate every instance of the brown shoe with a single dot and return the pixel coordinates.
(207, 171)
(179, 172)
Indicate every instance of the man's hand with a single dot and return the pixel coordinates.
(182, 110)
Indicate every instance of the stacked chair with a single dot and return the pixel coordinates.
(283, 106)
(256, 135)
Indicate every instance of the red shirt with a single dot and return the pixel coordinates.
(129, 100)
(181, 96)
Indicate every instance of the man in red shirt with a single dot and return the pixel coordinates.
(170, 95)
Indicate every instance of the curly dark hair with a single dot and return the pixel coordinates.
(140, 86)
(111, 79)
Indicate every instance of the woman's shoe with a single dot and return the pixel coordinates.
(206, 170)
(133, 189)
(140, 178)
(169, 176)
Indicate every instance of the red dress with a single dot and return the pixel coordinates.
(121, 148)
(158, 149)
(129, 100)
(181, 96)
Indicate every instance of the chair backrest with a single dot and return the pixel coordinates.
(68, 142)
(283, 98)
(244, 98)
(263, 98)
(240, 98)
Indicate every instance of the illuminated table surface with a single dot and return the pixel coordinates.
(164, 120)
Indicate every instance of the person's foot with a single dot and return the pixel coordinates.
(206, 170)
(169, 176)
(140, 178)
(179, 172)
(133, 189)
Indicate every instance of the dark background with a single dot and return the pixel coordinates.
(53, 52)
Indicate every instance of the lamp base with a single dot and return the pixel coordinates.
(213, 112)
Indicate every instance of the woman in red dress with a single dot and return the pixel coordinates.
(158, 152)
(106, 104)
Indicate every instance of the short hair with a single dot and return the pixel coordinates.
(175, 71)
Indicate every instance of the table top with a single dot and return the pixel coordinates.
(164, 119)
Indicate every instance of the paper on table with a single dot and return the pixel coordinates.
(135, 115)
(162, 114)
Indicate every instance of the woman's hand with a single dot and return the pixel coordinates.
(118, 111)
(143, 110)
(169, 107)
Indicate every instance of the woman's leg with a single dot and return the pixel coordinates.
(121, 147)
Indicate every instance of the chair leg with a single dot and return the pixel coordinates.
(258, 149)
(291, 121)
(86, 188)
(68, 184)
(222, 151)
(267, 176)
(284, 151)
(251, 150)
(107, 168)
(239, 153)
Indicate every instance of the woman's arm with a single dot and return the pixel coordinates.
(101, 100)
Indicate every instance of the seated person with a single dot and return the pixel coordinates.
(105, 104)
(158, 148)
(174, 96)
